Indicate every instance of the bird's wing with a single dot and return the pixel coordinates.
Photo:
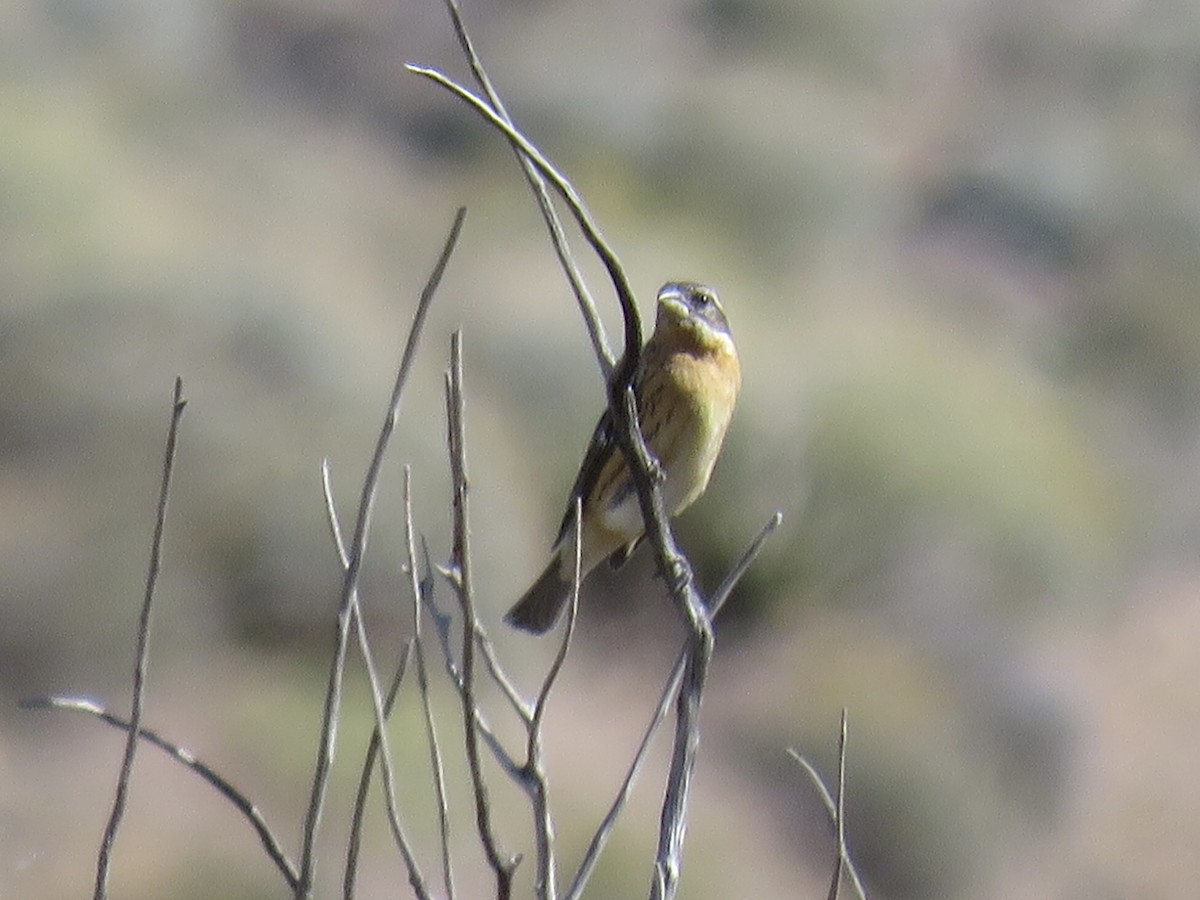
(599, 452)
(603, 480)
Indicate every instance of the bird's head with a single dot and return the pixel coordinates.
(690, 312)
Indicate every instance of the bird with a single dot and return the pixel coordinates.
(686, 387)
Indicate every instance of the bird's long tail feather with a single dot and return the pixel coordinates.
(543, 603)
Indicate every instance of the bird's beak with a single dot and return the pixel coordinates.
(674, 301)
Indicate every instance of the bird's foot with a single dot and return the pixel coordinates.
(679, 575)
(657, 472)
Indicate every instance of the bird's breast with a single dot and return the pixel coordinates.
(685, 405)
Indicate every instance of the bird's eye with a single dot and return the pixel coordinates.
(703, 301)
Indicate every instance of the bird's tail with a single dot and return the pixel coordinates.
(539, 609)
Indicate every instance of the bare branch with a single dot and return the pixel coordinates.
(331, 516)
(673, 823)
(536, 782)
(187, 759)
(385, 765)
(435, 753)
(484, 643)
(501, 862)
(349, 593)
(721, 594)
(695, 660)
(815, 777)
(538, 185)
(379, 743)
(836, 809)
(441, 623)
(143, 651)
(591, 232)
(565, 644)
(671, 562)
(520, 706)
(600, 839)
(645, 474)
(840, 825)
(364, 782)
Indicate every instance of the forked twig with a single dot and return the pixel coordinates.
(835, 882)
(378, 746)
(442, 622)
(143, 651)
(349, 592)
(188, 759)
(350, 876)
(836, 808)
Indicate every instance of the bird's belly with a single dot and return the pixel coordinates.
(687, 472)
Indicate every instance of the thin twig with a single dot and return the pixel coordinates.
(364, 782)
(721, 594)
(442, 622)
(536, 782)
(591, 231)
(385, 764)
(435, 753)
(600, 838)
(519, 704)
(483, 642)
(143, 651)
(673, 822)
(558, 238)
(331, 516)
(501, 862)
(333, 694)
(840, 825)
(835, 807)
(185, 758)
(379, 746)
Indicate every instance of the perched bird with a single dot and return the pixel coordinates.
(686, 387)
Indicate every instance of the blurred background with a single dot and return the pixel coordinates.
(959, 243)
